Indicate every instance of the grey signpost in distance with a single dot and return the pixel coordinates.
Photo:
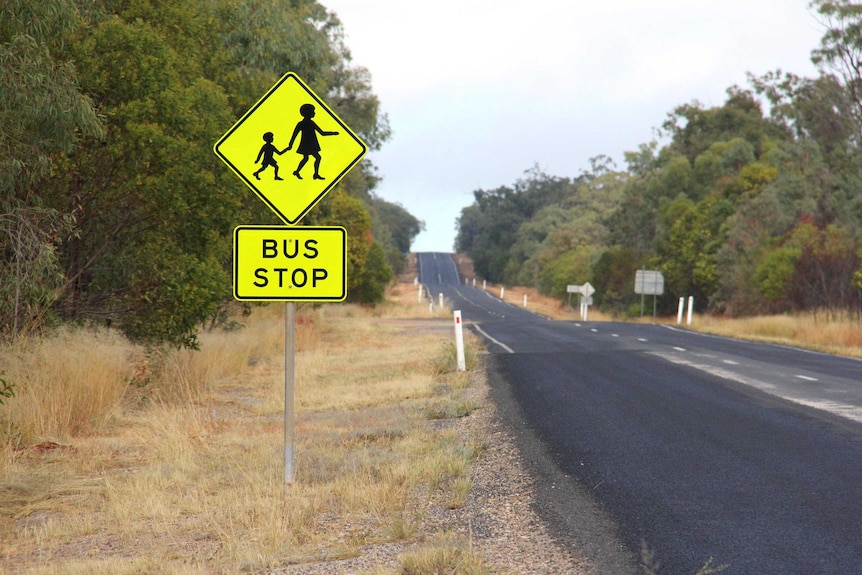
(649, 282)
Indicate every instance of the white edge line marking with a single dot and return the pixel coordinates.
(500, 343)
(844, 410)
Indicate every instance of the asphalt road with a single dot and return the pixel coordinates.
(697, 446)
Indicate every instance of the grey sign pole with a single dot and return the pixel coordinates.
(289, 385)
(642, 276)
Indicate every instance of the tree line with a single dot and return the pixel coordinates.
(752, 207)
(113, 207)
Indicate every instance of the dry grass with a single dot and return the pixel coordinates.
(841, 336)
(443, 554)
(179, 469)
(72, 383)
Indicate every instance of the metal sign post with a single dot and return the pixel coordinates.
(289, 387)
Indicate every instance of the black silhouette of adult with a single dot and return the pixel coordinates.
(309, 146)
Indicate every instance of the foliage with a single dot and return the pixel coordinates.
(510, 232)
(751, 207)
(43, 115)
(394, 221)
(841, 47)
(113, 207)
(370, 288)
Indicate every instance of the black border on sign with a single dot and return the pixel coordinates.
(235, 266)
(330, 183)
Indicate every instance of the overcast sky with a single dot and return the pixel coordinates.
(479, 91)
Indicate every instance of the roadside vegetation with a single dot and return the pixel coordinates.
(113, 207)
(115, 458)
(751, 207)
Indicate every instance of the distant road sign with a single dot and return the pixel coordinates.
(290, 117)
(586, 290)
(280, 263)
(649, 282)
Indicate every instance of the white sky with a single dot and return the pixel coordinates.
(479, 91)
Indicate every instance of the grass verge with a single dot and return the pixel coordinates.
(121, 460)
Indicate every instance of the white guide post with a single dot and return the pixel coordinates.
(459, 341)
(680, 310)
(690, 308)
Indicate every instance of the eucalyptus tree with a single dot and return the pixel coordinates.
(840, 48)
(43, 115)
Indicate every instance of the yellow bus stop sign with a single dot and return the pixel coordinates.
(290, 148)
(281, 263)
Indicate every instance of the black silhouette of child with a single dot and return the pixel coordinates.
(308, 144)
(266, 152)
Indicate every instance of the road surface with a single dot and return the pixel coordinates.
(696, 446)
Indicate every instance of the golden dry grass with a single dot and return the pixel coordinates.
(182, 472)
(442, 554)
(70, 383)
(841, 336)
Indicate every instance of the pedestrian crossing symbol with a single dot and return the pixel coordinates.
(290, 148)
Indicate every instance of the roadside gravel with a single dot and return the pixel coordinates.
(499, 518)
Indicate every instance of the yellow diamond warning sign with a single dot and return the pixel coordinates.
(290, 148)
(280, 263)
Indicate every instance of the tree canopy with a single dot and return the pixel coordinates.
(751, 207)
(113, 207)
